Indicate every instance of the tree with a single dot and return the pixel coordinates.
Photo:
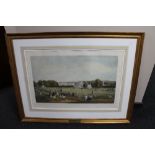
(85, 84)
(49, 83)
(40, 83)
(52, 83)
(35, 84)
(97, 83)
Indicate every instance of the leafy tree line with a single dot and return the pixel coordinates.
(48, 83)
(94, 84)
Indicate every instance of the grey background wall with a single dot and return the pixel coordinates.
(148, 57)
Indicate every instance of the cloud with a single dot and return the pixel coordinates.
(74, 68)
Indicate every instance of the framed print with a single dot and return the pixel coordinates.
(84, 77)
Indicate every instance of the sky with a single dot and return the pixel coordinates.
(74, 68)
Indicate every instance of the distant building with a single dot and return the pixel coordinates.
(78, 84)
(89, 86)
(66, 84)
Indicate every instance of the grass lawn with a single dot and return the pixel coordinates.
(75, 95)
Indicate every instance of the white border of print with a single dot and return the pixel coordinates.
(130, 43)
(64, 51)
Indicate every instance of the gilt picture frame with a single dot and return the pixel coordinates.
(79, 77)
